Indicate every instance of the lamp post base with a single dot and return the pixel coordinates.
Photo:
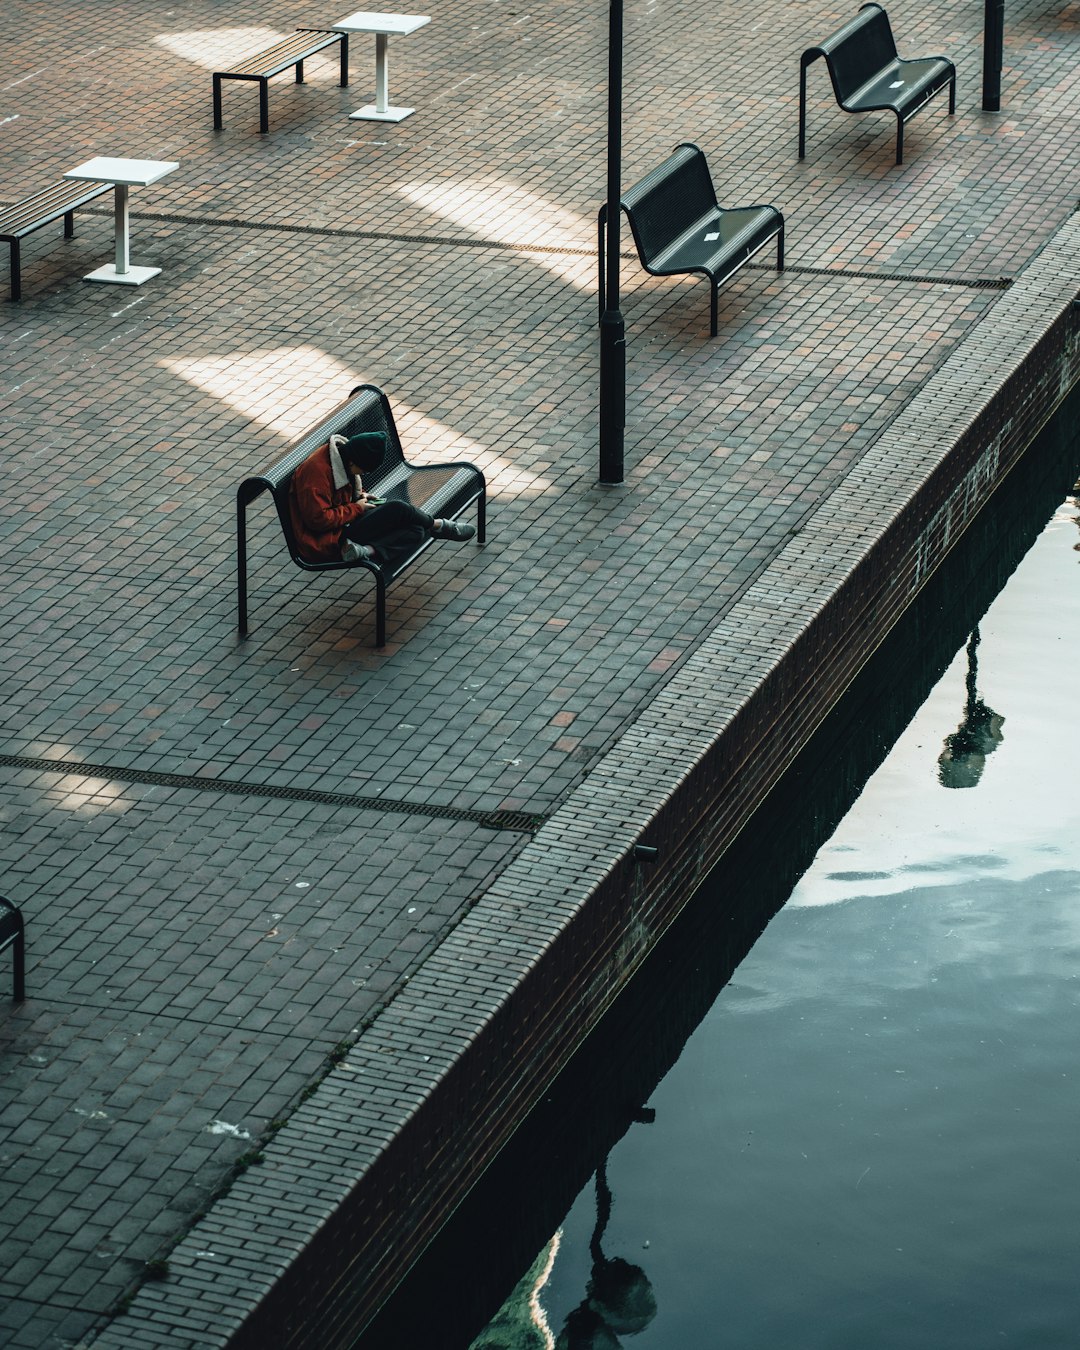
(612, 395)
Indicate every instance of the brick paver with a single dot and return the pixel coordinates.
(197, 955)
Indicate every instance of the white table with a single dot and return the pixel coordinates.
(383, 26)
(122, 174)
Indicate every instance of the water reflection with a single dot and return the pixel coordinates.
(464, 1279)
(961, 762)
(619, 1299)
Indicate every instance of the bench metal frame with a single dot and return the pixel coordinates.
(60, 199)
(13, 935)
(671, 212)
(865, 70)
(443, 490)
(264, 65)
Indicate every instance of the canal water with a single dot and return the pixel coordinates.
(840, 1107)
(873, 1138)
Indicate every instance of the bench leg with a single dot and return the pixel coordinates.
(264, 106)
(217, 102)
(802, 111)
(780, 250)
(899, 139)
(344, 55)
(481, 518)
(380, 610)
(15, 272)
(19, 955)
(713, 309)
(69, 224)
(299, 72)
(952, 94)
(241, 570)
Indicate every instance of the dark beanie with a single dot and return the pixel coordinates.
(365, 450)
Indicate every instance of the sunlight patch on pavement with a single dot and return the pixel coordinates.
(86, 796)
(288, 390)
(506, 213)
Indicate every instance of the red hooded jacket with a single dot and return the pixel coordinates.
(320, 511)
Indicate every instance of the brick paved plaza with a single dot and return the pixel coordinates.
(232, 855)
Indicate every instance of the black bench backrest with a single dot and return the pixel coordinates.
(366, 409)
(670, 200)
(858, 51)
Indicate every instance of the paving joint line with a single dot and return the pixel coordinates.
(448, 241)
(522, 821)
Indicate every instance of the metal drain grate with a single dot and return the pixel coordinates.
(522, 821)
(921, 279)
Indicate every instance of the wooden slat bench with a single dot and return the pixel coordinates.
(679, 228)
(442, 490)
(61, 199)
(264, 65)
(868, 76)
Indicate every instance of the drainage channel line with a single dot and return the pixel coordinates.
(522, 821)
(447, 241)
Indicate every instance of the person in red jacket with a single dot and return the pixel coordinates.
(333, 517)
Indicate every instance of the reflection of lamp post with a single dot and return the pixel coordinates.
(619, 1299)
(612, 328)
(961, 761)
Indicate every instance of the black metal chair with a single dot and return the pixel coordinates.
(868, 76)
(13, 935)
(679, 228)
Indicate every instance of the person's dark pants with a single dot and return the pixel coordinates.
(394, 527)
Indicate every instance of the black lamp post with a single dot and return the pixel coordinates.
(612, 328)
(993, 45)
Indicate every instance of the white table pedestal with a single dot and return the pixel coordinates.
(383, 26)
(122, 173)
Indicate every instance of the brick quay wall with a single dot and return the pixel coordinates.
(308, 1246)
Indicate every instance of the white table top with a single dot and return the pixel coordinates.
(364, 22)
(129, 172)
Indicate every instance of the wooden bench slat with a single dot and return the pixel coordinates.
(273, 60)
(49, 204)
(263, 65)
(58, 199)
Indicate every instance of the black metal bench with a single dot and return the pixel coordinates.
(443, 490)
(263, 66)
(13, 935)
(679, 229)
(61, 199)
(868, 76)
